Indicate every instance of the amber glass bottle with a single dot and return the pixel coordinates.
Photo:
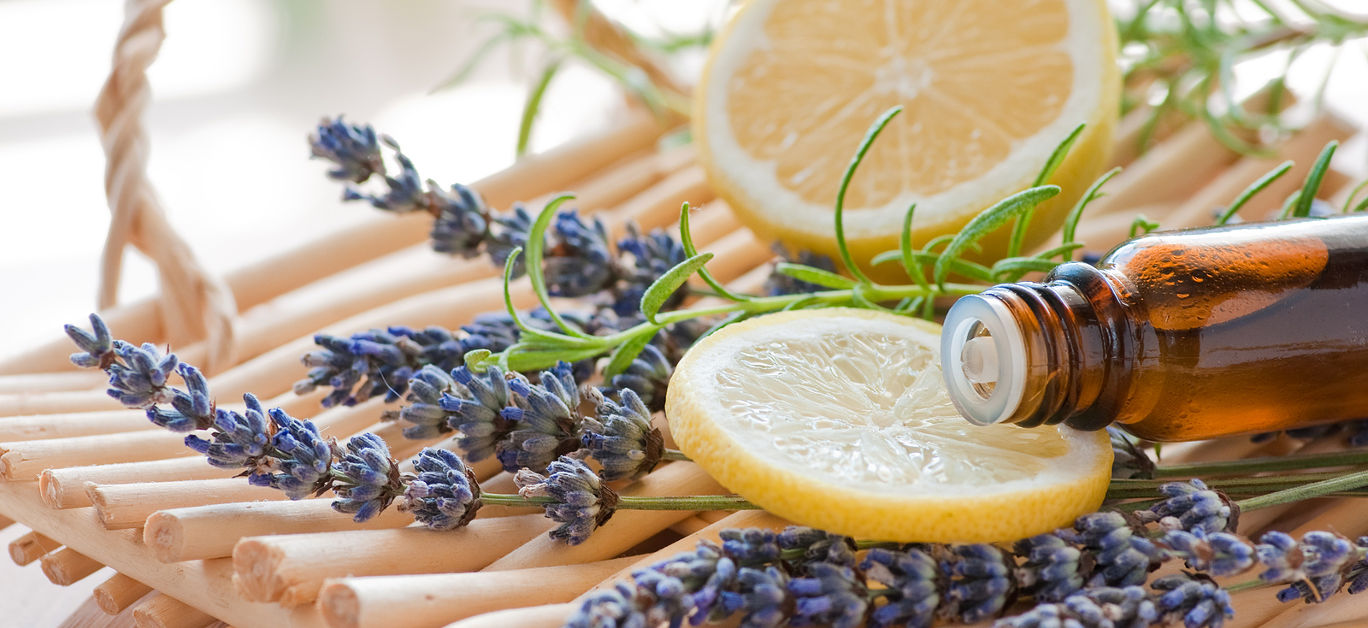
(1177, 336)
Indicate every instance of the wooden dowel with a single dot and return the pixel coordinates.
(627, 527)
(50, 382)
(67, 425)
(65, 488)
(1169, 172)
(67, 566)
(124, 506)
(25, 460)
(330, 252)
(5, 522)
(290, 569)
(658, 206)
(1126, 146)
(118, 593)
(688, 525)
(421, 601)
(30, 547)
(164, 611)
(211, 531)
(54, 402)
(544, 616)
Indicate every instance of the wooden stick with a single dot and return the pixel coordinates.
(658, 206)
(50, 382)
(544, 616)
(273, 275)
(625, 529)
(89, 615)
(67, 425)
(119, 592)
(30, 547)
(164, 611)
(689, 525)
(25, 460)
(67, 566)
(211, 531)
(124, 506)
(54, 402)
(5, 522)
(290, 569)
(421, 601)
(1126, 143)
(1169, 172)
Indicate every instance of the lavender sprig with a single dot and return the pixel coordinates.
(366, 479)
(581, 503)
(621, 437)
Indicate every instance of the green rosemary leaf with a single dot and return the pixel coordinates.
(1063, 251)
(522, 359)
(477, 360)
(532, 106)
(1254, 188)
(906, 253)
(1071, 220)
(963, 267)
(989, 220)
(660, 290)
(540, 339)
(1289, 205)
(536, 242)
(473, 61)
(1012, 268)
(801, 304)
(1363, 205)
(810, 274)
(623, 355)
(1313, 181)
(734, 317)
(509, 265)
(1140, 225)
(686, 241)
(1348, 202)
(1051, 165)
(839, 215)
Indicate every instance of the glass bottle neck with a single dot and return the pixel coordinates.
(1040, 353)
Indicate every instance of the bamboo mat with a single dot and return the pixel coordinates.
(98, 486)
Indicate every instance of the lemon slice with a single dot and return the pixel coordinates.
(989, 89)
(838, 419)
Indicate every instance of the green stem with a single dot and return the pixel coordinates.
(629, 502)
(674, 454)
(1349, 481)
(1267, 463)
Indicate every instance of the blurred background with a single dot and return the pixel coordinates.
(236, 90)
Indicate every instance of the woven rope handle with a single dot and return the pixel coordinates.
(194, 304)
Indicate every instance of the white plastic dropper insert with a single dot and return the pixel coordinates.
(983, 359)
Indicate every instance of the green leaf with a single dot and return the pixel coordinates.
(517, 358)
(477, 360)
(1254, 188)
(971, 270)
(623, 355)
(1313, 181)
(1093, 193)
(509, 265)
(823, 278)
(842, 247)
(1063, 249)
(686, 241)
(660, 290)
(532, 106)
(734, 317)
(989, 220)
(1051, 165)
(1348, 202)
(1141, 224)
(1011, 268)
(536, 242)
(907, 254)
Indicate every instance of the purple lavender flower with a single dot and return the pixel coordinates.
(1217, 553)
(1123, 557)
(579, 263)
(545, 420)
(610, 608)
(352, 148)
(375, 362)
(666, 597)
(621, 437)
(239, 440)
(1199, 602)
(1195, 506)
(751, 546)
(1325, 557)
(96, 345)
(304, 458)
(1051, 570)
(137, 377)
(581, 503)
(367, 478)
(979, 582)
(1095, 607)
(1129, 459)
(911, 594)
(444, 495)
(405, 192)
(424, 410)
(191, 409)
(461, 225)
(829, 595)
(779, 284)
(818, 545)
(647, 376)
(477, 414)
(652, 255)
(1280, 556)
(507, 232)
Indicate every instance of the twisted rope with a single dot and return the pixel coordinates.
(193, 303)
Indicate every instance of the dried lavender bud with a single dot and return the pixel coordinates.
(1358, 572)
(96, 345)
(137, 377)
(581, 502)
(648, 375)
(979, 582)
(507, 232)
(1195, 506)
(1097, 607)
(621, 437)
(818, 545)
(352, 148)
(580, 262)
(545, 420)
(1051, 570)
(461, 225)
(191, 409)
(376, 362)
(708, 575)
(911, 595)
(425, 410)
(1199, 602)
(304, 458)
(1129, 460)
(665, 598)
(405, 192)
(750, 547)
(779, 284)
(477, 414)
(239, 440)
(1217, 553)
(761, 596)
(368, 478)
(653, 255)
(1325, 557)
(1280, 556)
(830, 595)
(1122, 557)
(444, 495)
(609, 608)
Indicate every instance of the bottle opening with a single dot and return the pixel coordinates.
(983, 359)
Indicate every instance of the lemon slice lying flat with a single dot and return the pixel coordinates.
(838, 419)
(989, 89)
